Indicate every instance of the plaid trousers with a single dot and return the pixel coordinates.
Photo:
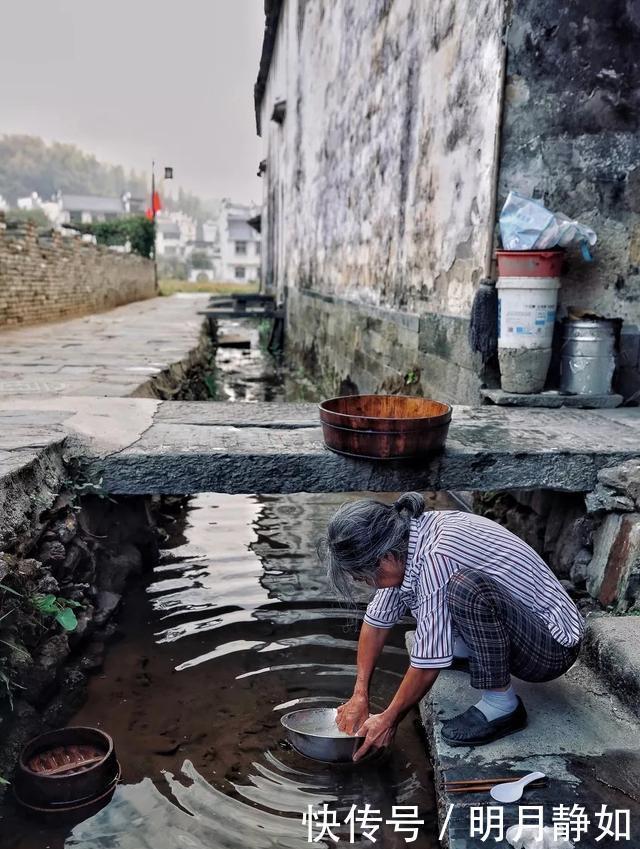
(504, 637)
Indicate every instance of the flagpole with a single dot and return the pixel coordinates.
(153, 218)
(153, 188)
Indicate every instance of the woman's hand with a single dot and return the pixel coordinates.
(378, 731)
(353, 713)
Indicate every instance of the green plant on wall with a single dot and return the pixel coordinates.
(83, 481)
(411, 377)
(50, 605)
(60, 608)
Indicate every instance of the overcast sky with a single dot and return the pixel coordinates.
(133, 80)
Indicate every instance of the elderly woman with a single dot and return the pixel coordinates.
(483, 600)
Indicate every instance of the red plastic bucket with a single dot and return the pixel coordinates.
(529, 263)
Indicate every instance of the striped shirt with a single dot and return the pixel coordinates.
(440, 543)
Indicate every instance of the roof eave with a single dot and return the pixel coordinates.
(272, 10)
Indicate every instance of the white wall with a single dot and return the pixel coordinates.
(379, 182)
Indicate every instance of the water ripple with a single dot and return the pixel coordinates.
(244, 585)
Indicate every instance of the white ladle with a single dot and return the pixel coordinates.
(511, 791)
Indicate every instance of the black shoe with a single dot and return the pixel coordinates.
(460, 664)
(472, 728)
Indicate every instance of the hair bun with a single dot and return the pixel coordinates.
(412, 502)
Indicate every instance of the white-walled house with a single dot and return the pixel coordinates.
(82, 209)
(223, 248)
(239, 243)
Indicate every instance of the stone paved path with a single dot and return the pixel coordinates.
(71, 379)
(109, 354)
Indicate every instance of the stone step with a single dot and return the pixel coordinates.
(612, 649)
(579, 734)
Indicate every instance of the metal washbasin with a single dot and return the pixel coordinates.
(313, 733)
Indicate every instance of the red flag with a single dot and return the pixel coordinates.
(149, 214)
(156, 204)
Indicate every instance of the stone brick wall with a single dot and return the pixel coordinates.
(592, 541)
(44, 279)
(346, 346)
(612, 574)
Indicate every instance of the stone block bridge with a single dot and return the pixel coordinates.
(142, 446)
(234, 448)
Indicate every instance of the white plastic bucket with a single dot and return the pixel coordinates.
(527, 311)
(527, 314)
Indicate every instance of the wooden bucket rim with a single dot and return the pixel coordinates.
(447, 411)
(33, 742)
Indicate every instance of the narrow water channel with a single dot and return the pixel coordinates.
(235, 627)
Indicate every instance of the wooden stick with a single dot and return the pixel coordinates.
(478, 788)
(69, 767)
(508, 780)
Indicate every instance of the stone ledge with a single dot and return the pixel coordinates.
(612, 648)
(199, 446)
(141, 446)
(408, 320)
(175, 447)
(551, 400)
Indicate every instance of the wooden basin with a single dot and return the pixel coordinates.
(66, 767)
(384, 427)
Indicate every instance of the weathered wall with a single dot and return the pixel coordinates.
(570, 138)
(379, 181)
(349, 346)
(570, 135)
(47, 279)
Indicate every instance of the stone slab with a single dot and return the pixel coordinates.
(612, 645)
(143, 446)
(551, 400)
(101, 424)
(579, 735)
(603, 541)
(209, 446)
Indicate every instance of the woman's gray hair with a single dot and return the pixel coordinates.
(361, 533)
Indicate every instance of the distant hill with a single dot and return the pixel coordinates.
(28, 164)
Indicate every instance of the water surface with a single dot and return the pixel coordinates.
(234, 628)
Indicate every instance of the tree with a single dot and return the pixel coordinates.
(28, 164)
(138, 230)
(36, 216)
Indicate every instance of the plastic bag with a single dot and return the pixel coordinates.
(526, 225)
(527, 837)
